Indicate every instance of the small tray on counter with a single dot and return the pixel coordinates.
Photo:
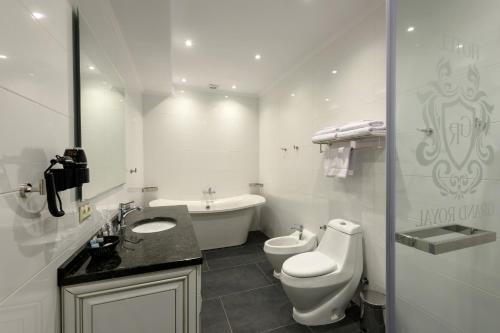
(106, 248)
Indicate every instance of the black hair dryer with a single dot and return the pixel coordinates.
(74, 173)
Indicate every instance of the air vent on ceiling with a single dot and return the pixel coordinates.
(213, 86)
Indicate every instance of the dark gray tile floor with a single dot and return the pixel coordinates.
(240, 294)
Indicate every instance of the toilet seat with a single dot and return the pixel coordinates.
(309, 264)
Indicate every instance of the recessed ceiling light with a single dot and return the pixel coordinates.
(3, 56)
(460, 46)
(410, 29)
(292, 94)
(91, 68)
(334, 71)
(37, 16)
(184, 80)
(188, 43)
(327, 99)
(233, 86)
(258, 57)
(226, 97)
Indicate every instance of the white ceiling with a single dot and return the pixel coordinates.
(145, 26)
(228, 33)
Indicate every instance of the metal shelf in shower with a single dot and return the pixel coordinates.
(443, 239)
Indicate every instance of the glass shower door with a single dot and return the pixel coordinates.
(446, 170)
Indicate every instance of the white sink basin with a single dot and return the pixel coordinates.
(153, 225)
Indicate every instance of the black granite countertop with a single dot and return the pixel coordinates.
(175, 247)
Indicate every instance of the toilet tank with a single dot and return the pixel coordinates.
(342, 241)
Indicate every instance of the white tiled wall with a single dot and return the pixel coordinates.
(294, 185)
(195, 140)
(36, 123)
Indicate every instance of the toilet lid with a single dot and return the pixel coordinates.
(309, 264)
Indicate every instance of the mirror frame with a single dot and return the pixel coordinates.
(77, 104)
(76, 88)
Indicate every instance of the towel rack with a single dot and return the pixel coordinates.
(374, 140)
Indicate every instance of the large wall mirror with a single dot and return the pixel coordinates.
(99, 112)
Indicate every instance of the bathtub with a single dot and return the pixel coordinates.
(222, 223)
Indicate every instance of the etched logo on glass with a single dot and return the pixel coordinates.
(458, 112)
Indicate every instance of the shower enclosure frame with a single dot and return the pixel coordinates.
(390, 164)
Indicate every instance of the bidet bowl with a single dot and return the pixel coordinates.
(280, 249)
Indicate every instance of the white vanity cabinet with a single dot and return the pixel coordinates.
(161, 302)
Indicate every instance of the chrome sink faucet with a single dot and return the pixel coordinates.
(118, 226)
(299, 228)
(124, 209)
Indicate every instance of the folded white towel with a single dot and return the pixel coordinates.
(361, 132)
(349, 127)
(337, 160)
(326, 130)
(324, 137)
(361, 124)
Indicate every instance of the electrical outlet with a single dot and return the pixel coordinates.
(84, 212)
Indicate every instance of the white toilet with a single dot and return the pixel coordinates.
(320, 284)
(280, 249)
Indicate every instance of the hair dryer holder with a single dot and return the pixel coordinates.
(74, 173)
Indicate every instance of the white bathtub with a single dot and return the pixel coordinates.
(225, 222)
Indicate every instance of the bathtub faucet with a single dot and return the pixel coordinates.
(209, 196)
(299, 228)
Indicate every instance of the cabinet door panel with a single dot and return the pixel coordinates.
(146, 314)
(160, 302)
(147, 309)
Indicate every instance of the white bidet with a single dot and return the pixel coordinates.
(280, 249)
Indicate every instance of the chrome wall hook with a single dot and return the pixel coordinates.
(24, 189)
(296, 148)
(427, 131)
(478, 123)
(283, 149)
